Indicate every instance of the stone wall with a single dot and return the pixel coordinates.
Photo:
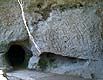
(69, 28)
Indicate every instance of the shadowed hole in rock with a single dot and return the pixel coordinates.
(16, 57)
(49, 61)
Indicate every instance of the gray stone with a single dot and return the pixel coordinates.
(33, 75)
(73, 32)
(33, 62)
(3, 62)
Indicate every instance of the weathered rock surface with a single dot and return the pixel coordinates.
(66, 28)
(33, 75)
(75, 33)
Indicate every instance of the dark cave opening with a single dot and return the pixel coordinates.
(16, 56)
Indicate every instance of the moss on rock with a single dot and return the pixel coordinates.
(46, 61)
(44, 6)
(38, 4)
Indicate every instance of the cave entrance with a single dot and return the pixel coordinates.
(16, 56)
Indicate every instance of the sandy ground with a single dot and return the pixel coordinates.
(33, 75)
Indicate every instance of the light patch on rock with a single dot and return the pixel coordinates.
(33, 62)
(1, 75)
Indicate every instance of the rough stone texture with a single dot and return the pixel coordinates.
(33, 62)
(2, 61)
(74, 33)
(33, 75)
(9, 29)
(73, 30)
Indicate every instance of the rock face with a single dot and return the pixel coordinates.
(68, 34)
(71, 33)
(33, 75)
